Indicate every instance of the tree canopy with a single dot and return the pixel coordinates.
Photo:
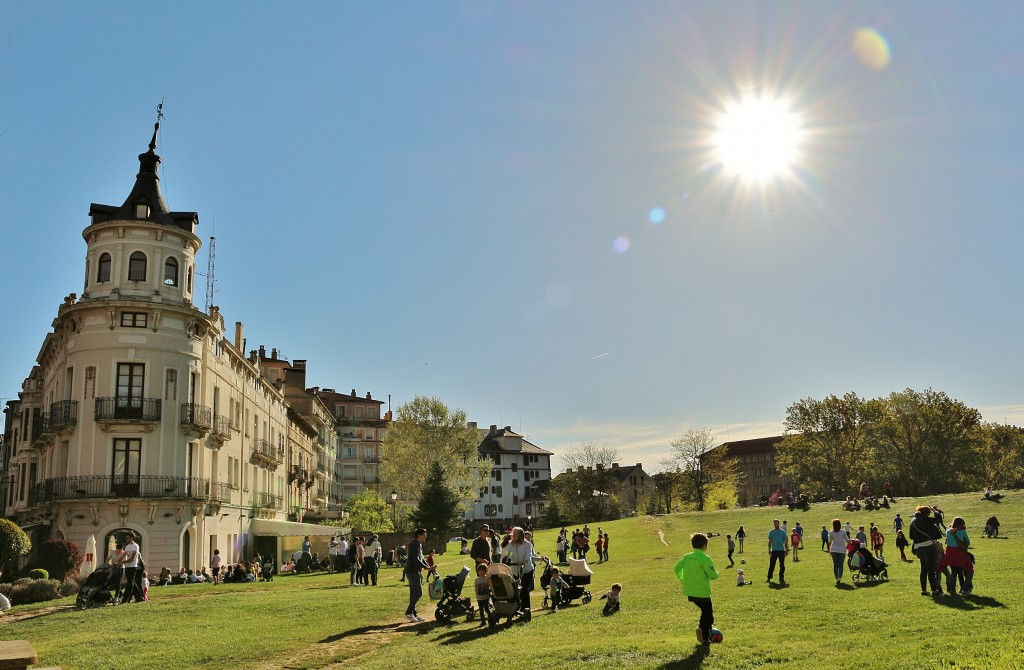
(587, 490)
(425, 431)
(438, 510)
(702, 469)
(13, 543)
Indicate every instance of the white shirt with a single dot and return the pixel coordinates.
(133, 551)
(374, 550)
(837, 541)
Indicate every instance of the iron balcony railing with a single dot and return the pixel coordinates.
(266, 500)
(221, 426)
(321, 466)
(267, 452)
(196, 416)
(128, 410)
(144, 486)
(63, 414)
(220, 492)
(41, 427)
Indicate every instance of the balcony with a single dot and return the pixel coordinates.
(266, 453)
(220, 492)
(41, 429)
(195, 419)
(321, 466)
(128, 410)
(263, 500)
(64, 414)
(371, 459)
(145, 486)
(221, 429)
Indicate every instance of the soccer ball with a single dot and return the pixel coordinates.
(717, 635)
(743, 561)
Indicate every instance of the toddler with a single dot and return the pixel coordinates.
(740, 579)
(612, 606)
(145, 585)
(483, 593)
(556, 585)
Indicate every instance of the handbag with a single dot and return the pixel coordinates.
(963, 546)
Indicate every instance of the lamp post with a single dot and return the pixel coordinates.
(394, 523)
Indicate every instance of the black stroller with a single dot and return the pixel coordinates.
(504, 594)
(452, 602)
(96, 589)
(864, 565)
(577, 579)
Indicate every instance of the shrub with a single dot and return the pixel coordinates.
(71, 585)
(26, 591)
(13, 542)
(59, 557)
(37, 573)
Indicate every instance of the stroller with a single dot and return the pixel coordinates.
(576, 578)
(863, 565)
(267, 572)
(452, 602)
(96, 589)
(504, 594)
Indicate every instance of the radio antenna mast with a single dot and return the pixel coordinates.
(210, 264)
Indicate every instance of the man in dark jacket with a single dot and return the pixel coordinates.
(414, 566)
(925, 538)
(481, 549)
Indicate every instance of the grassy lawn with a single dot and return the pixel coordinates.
(311, 622)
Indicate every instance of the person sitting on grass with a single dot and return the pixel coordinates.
(612, 606)
(740, 579)
(696, 571)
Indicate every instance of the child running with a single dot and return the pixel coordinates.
(612, 606)
(696, 571)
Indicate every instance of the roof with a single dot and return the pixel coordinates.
(490, 444)
(146, 191)
(624, 473)
(754, 446)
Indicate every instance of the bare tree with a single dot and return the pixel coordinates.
(587, 490)
(701, 467)
(589, 455)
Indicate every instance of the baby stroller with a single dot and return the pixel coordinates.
(452, 603)
(577, 578)
(96, 589)
(267, 573)
(504, 594)
(863, 565)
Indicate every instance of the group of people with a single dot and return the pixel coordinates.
(578, 544)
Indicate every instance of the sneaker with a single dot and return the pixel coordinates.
(924, 593)
(417, 617)
(700, 637)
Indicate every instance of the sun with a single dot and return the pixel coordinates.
(758, 139)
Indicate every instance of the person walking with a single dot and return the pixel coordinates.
(924, 537)
(519, 553)
(480, 551)
(740, 536)
(599, 547)
(604, 554)
(778, 547)
(731, 547)
(824, 538)
(958, 559)
(215, 563)
(415, 564)
(130, 561)
(372, 553)
(696, 571)
(837, 549)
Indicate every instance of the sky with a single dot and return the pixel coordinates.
(526, 208)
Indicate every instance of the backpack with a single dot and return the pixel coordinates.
(350, 554)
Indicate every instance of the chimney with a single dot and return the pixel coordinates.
(301, 365)
(368, 396)
(615, 466)
(600, 466)
(273, 353)
(353, 393)
(508, 429)
(471, 424)
(238, 336)
(328, 390)
(263, 353)
(639, 465)
(494, 429)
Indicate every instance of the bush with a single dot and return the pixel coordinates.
(13, 542)
(25, 591)
(71, 585)
(59, 558)
(37, 573)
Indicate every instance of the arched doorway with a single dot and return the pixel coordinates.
(114, 537)
(186, 549)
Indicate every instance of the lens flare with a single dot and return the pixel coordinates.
(872, 48)
(656, 215)
(758, 138)
(621, 244)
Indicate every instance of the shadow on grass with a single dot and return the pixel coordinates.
(968, 603)
(843, 586)
(380, 628)
(691, 662)
(460, 635)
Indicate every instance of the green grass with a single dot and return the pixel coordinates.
(308, 622)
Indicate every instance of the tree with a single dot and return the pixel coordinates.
(367, 510)
(587, 490)
(829, 445)
(425, 432)
(59, 558)
(666, 493)
(438, 510)
(1000, 461)
(929, 442)
(13, 543)
(701, 466)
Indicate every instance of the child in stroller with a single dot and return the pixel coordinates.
(96, 589)
(864, 565)
(267, 573)
(452, 602)
(504, 594)
(576, 580)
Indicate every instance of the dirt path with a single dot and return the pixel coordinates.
(343, 650)
(32, 614)
(661, 536)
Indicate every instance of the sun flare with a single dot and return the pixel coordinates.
(758, 139)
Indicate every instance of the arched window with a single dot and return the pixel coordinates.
(171, 272)
(137, 267)
(103, 269)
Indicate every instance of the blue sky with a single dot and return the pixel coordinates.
(517, 207)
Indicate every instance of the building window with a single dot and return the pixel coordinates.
(515, 467)
(171, 272)
(103, 268)
(137, 267)
(127, 455)
(515, 483)
(141, 211)
(497, 491)
(496, 474)
(497, 459)
(133, 319)
(529, 509)
(130, 379)
(359, 412)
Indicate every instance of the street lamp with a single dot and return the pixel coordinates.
(394, 523)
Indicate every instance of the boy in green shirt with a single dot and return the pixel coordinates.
(696, 570)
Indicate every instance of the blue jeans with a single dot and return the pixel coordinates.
(838, 560)
(929, 564)
(415, 580)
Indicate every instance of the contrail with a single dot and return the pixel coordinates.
(599, 356)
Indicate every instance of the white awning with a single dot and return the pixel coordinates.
(292, 529)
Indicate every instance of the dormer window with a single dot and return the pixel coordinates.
(141, 210)
(171, 272)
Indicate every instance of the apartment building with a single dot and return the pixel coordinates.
(520, 471)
